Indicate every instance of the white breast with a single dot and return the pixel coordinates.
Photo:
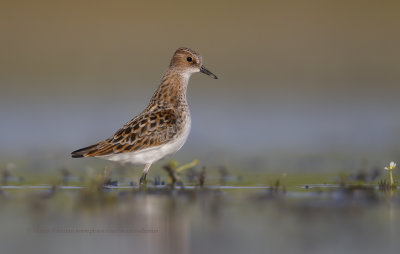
(153, 154)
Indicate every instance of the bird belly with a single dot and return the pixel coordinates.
(153, 154)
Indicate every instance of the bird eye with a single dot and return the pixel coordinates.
(189, 59)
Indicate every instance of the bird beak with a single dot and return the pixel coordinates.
(209, 73)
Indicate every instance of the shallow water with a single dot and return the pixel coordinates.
(226, 219)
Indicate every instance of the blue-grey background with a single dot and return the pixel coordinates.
(304, 85)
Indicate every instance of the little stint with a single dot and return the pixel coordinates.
(163, 126)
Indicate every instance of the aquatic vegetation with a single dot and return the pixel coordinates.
(202, 176)
(7, 174)
(384, 185)
(187, 166)
(224, 174)
(392, 166)
(174, 171)
(169, 167)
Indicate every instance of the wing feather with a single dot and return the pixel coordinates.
(144, 131)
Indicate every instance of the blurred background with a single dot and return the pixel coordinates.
(304, 85)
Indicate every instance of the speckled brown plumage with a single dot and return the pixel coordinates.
(144, 131)
(160, 122)
(164, 121)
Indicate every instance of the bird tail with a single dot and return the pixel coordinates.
(84, 152)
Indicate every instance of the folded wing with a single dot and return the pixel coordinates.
(145, 131)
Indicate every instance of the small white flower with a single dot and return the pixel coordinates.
(392, 166)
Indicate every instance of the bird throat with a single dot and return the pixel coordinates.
(172, 90)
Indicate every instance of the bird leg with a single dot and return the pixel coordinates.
(142, 180)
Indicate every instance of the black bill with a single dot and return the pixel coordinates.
(209, 73)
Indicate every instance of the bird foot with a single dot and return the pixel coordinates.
(142, 180)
